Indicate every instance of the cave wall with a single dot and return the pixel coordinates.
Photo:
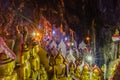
(76, 14)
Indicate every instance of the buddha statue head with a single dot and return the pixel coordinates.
(36, 47)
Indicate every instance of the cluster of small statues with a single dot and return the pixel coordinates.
(69, 71)
(35, 65)
(34, 62)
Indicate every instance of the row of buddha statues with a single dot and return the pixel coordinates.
(34, 64)
(31, 68)
(24, 67)
(69, 71)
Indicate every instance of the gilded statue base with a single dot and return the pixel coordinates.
(6, 67)
(13, 76)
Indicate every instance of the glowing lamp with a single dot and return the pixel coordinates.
(66, 38)
(68, 44)
(89, 58)
(53, 32)
(33, 33)
(37, 34)
(88, 38)
(72, 44)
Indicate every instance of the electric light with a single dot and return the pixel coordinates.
(33, 33)
(66, 38)
(68, 44)
(53, 32)
(72, 44)
(37, 34)
(88, 38)
(89, 58)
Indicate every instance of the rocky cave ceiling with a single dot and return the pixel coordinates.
(76, 14)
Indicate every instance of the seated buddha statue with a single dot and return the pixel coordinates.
(96, 73)
(112, 71)
(7, 65)
(116, 32)
(85, 75)
(25, 66)
(59, 67)
(7, 62)
(35, 61)
(25, 54)
(35, 67)
(77, 72)
(43, 73)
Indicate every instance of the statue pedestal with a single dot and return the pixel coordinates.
(13, 76)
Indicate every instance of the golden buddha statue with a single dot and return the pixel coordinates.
(5, 61)
(7, 66)
(36, 47)
(69, 77)
(25, 69)
(59, 67)
(116, 32)
(112, 71)
(35, 67)
(77, 72)
(96, 73)
(35, 61)
(25, 54)
(85, 75)
(103, 68)
(43, 73)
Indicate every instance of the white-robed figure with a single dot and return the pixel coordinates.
(62, 47)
